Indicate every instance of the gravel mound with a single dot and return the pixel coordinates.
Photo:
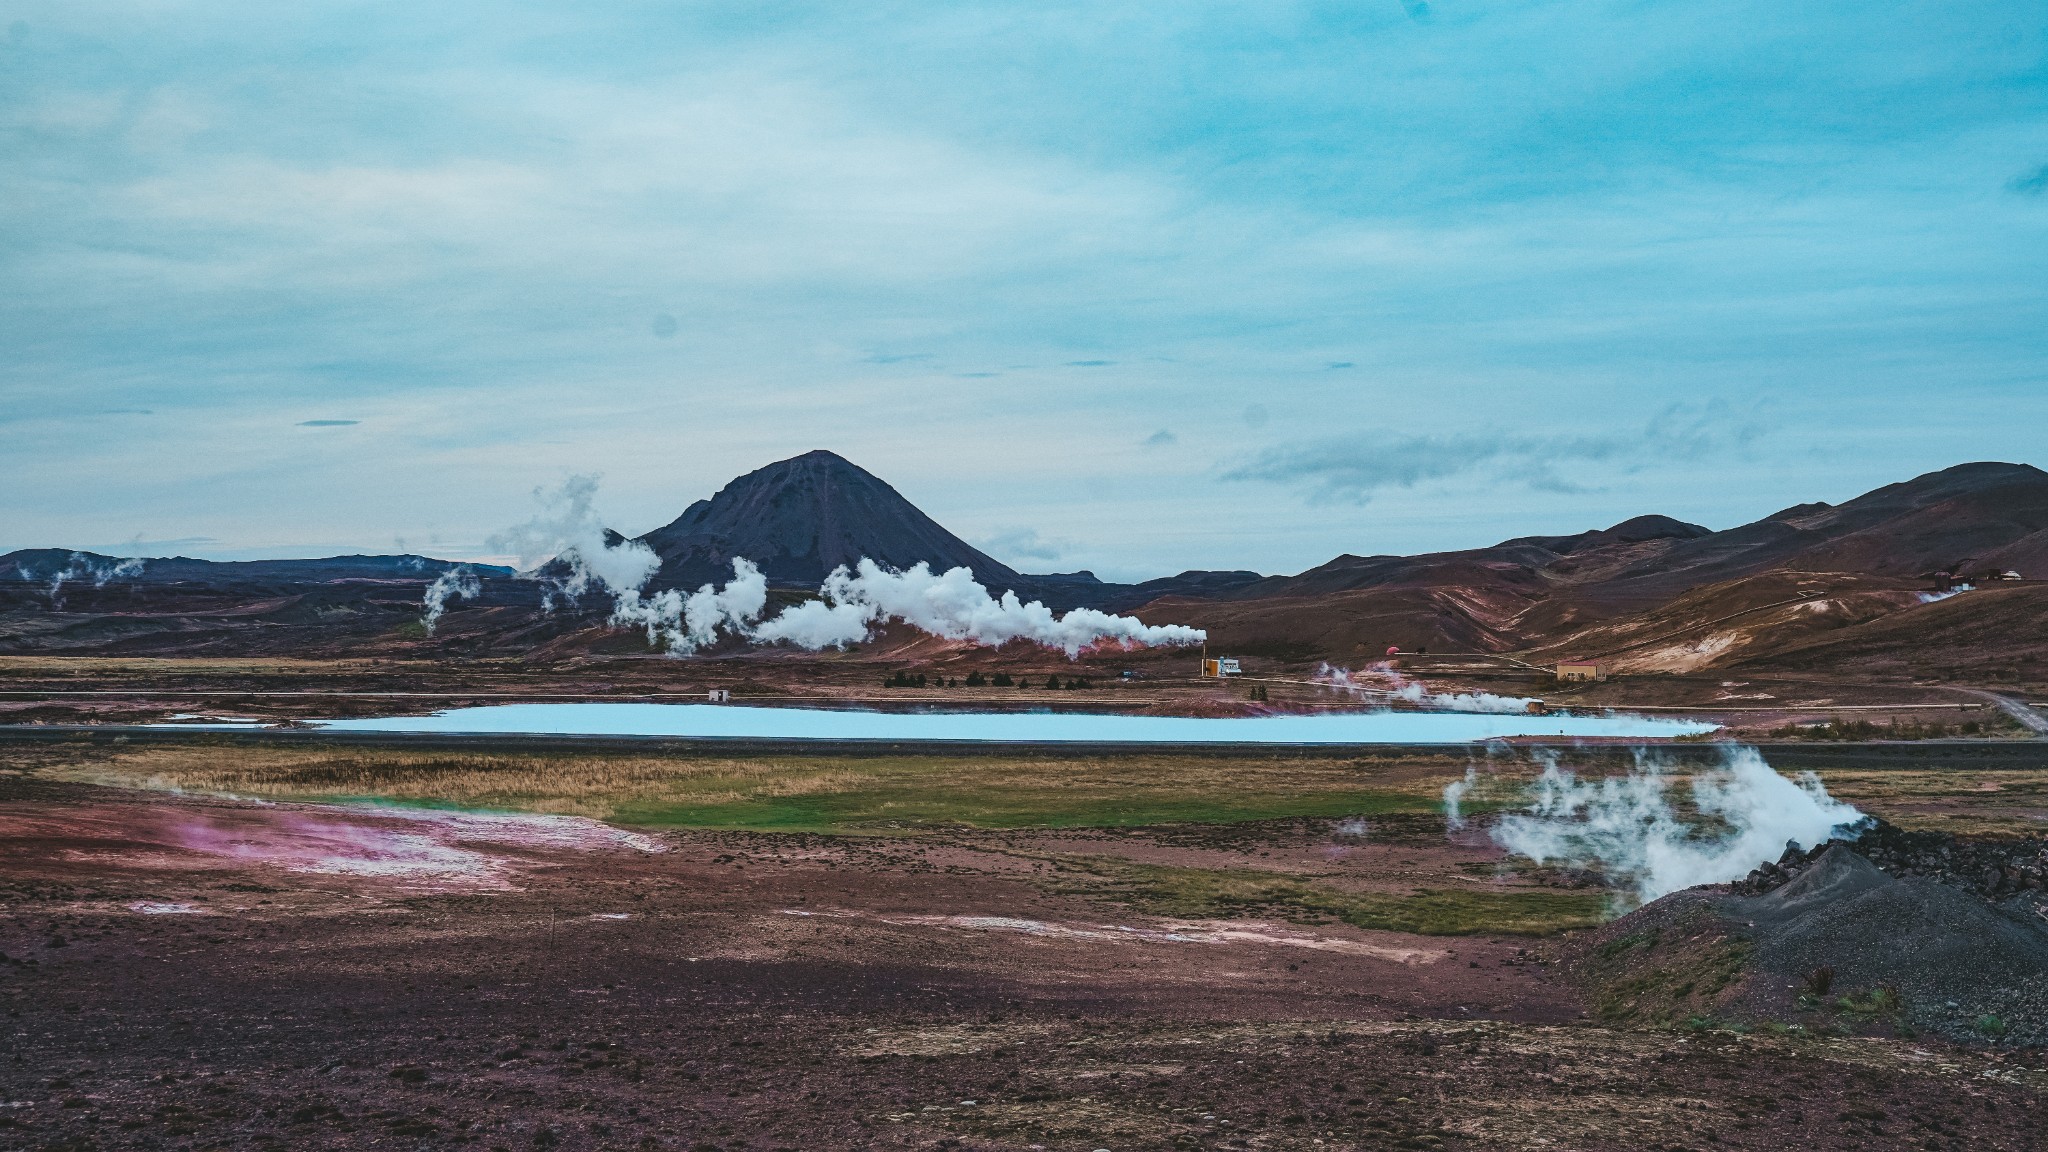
(1927, 952)
(1994, 869)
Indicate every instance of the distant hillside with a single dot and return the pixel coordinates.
(1798, 589)
(1647, 590)
(43, 565)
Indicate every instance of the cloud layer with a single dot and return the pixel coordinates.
(988, 250)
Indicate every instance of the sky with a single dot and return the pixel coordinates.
(1131, 288)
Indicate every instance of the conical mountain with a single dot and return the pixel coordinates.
(800, 518)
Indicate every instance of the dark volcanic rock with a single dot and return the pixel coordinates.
(798, 519)
(1994, 869)
(1951, 961)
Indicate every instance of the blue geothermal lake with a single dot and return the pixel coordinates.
(729, 722)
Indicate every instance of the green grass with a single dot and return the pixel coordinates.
(1219, 893)
(793, 794)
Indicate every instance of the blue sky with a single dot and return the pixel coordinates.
(1134, 288)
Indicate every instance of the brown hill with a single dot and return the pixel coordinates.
(1652, 593)
(1811, 587)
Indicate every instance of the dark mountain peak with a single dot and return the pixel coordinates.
(1653, 527)
(1982, 477)
(1634, 530)
(802, 517)
(1796, 512)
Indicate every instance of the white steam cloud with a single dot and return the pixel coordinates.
(569, 532)
(456, 581)
(1626, 824)
(682, 624)
(83, 567)
(1381, 682)
(953, 605)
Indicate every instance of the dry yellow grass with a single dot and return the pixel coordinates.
(1963, 801)
(798, 791)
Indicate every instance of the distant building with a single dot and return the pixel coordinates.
(1580, 670)
(2008, 574)
(1220, 666)
(720, 695)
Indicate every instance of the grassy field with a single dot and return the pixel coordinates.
(800, 793)
(806, 793)
(1974, 802)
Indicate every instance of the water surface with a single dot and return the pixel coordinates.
(738, 722)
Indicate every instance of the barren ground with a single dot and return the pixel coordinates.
(191, 971)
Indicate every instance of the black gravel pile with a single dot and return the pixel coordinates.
(1927, 953)
(1994, 869)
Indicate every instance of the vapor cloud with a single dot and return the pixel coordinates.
(83, 567)
(1353, 470)
(1627, 826)
(1382, 683)
(682, 624)
(953, 605)
(568, 531)
(456, 581)
(567, 548)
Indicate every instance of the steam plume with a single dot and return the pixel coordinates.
(683, 624)
(953, 605)
(569, 532)
(83, 567)
(456, 581)
(1382, 682)
(1747, 812)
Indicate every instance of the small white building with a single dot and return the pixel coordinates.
(720, 695)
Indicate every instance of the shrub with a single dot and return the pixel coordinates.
(1820, 980)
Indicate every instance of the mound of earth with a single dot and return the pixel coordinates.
(1994, 869)
(1837, 944)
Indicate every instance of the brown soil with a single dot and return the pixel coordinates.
(194, 973)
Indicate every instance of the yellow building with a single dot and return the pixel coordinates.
(1580, 670)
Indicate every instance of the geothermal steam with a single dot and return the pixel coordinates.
(953, 605)
(950, 604)
(456, 581)
(585, 555)
(83, 567)
(1382, 682)
(1627, 825)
